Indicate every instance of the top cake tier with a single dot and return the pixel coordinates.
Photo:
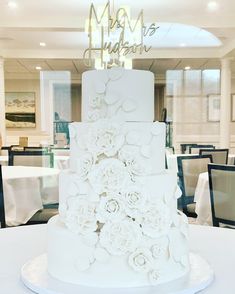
(117, 92)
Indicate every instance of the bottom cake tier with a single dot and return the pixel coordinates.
(73, 259)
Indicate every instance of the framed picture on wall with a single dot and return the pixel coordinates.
(233, 107)
(213, 107)
(20, 110)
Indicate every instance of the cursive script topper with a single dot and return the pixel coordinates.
(113, 36)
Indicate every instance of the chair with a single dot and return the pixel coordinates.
(189, 168)
(31, 158)
(222, 194)
(5, 150)
(38, 148)
(42, 216)
(196, 149)
(60, 151)
(219, 156)
(2, 209)
(185, 147)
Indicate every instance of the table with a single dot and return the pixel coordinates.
(26, 189)
(4, 160)
(20, 244)
(60, 161)
(202, 199)
(172, 160)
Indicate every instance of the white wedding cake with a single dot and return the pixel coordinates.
(118, 223)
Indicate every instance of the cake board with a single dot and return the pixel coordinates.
(35, 276)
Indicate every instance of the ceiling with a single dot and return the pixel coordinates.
(77, 66)
(61, 25)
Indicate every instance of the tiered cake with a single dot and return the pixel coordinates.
(118, 224)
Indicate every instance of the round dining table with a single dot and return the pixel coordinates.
(19, 245)
(26, 189)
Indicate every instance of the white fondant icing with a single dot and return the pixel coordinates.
(101, 255)
(118, 224)
(115, 73)
(111, 99)
(122, 85)
(129, 105)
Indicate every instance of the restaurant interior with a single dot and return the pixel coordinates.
(46, 47)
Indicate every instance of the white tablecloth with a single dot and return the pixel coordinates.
(20, 244)
(4, 160)
(172, 160)
(60, 162)
(26, 189)
(202, 199)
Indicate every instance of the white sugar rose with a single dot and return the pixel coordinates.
(80, 215)
(84, 165)
(111, 208)
(104, 137)
(95, 101)
(134, 198)
(120, 238)
(156, 221)
(110, 175)
(141, 260)
(135, 165)
(160, 249)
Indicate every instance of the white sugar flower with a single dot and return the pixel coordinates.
(94, 115)
(84, 165)
(105, 137)
(155, 277)
(111, 208)
(156, 221)
(134, 198)
(80, 215)
(141, 260)
(95, 101)
(160, 249)
(120, 238)
(110, 175)
(135, 165)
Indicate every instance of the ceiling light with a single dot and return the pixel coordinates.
(187, 67)
(42, 44)
(38, 68)
(212, 5)
(12, 4)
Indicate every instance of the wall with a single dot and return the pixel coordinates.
(187, 101)
(38, 134)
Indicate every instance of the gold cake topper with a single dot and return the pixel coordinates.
(113, 36)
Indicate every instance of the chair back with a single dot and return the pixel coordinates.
(31, 158)
(2, 209)
(189, 168)
(196, 149)
(185, 147)
(222, 193)
(219, 156)
(60, 151)
(5, 149)
(34, 148)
